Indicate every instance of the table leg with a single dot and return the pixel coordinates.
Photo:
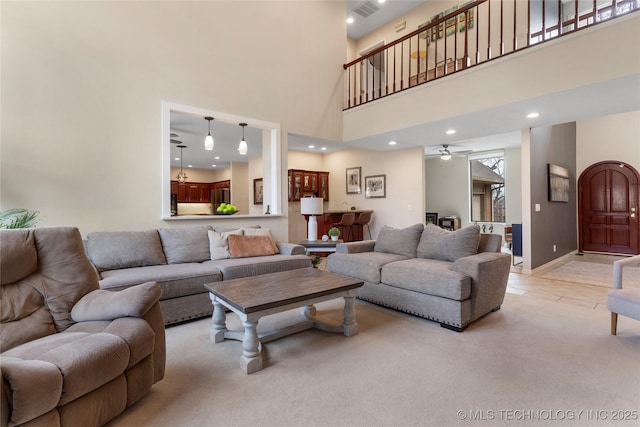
(251, 360)
(349, 325)
(219, 318)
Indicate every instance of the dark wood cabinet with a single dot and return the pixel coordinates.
(307, 183)
(192, 192)
(323, 185)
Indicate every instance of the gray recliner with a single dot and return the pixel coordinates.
(70, 353)
(623, 301)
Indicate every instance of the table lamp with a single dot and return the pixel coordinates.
(311, 206)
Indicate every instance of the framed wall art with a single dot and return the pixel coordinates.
(375, 186)
(558, 183)
(257, 191)
(431, 218)
(354, 180)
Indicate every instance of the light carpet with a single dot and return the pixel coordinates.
(531, 363)
(593, 273)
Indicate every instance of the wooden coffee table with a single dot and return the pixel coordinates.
(252, 298)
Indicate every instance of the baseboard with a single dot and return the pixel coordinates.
(552, 263)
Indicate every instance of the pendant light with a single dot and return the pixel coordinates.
(208, 140)
(182, 176)
(242, 148)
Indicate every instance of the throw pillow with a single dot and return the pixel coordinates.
(401, 242)
(261, 232)
(111, 250)
(185, 244)
(219, 243)
(438, 243)
(248, 246)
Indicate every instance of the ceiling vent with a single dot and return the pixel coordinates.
(366, 8)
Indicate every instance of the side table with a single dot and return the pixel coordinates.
(319, 245)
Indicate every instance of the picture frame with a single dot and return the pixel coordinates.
(354, 180)
(375, 187)
(258, 193)
(431, 218)
(559, 184)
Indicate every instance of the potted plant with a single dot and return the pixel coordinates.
(334, 232)
(18, 218)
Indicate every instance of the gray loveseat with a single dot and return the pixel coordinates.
(453, 278)
(181, 260)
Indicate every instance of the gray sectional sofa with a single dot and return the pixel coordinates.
(181, 260)
(453, 278)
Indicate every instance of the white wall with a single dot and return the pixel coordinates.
(615, 137)
(82, 85)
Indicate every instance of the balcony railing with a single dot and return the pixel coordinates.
(467, 36)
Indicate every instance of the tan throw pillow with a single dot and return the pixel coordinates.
(248, 246)
(261, 232)
(219, 243)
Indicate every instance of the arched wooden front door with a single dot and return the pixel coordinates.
(608, 194)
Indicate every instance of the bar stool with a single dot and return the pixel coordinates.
(363, 220)
(345, 224)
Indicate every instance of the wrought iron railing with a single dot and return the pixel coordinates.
(469, 35)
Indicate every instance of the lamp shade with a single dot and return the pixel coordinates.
(311, 206)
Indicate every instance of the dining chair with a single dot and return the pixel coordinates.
(345, 224)
(363, 219)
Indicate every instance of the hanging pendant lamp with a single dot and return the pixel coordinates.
(208, 140)
(242, 148)
(182, 176)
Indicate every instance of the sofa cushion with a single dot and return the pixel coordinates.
(74, 354)
(219, 243)
(234, 268)
(176, 280)
(250, 246)
(364, 265)
(426, 276)
(185, 244)
(110, 250)
(19, 257)
(401, 242)
(440, 244)
(251, 231)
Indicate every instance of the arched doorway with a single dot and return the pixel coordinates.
(608, 196)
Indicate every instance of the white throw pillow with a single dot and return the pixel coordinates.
(219, 243)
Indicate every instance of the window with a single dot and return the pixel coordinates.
(487, 187)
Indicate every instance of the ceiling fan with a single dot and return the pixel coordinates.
(174, 141)
(446, 153)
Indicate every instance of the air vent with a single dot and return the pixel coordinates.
(366, 8)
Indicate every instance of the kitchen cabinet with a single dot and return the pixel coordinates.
(308, 183)
(192, 192)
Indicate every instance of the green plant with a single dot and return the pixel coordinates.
(18, 218)
(333, 231)
(315, 260)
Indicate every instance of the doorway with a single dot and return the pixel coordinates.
(608, 194)
(373, 76)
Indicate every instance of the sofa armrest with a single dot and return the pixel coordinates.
(291, 249)
(489, 273)
(356, 247)
(135, 301)
(30, 388)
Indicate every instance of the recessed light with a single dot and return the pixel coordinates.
(323, 148)
(189, 166)
(312, 146)
(381, 1)
(349, 20)
(213, 166)
(451, 131)
(217, 158)
(532, 115)
(392, 143)
(176, 158)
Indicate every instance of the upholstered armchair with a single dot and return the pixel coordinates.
(623, 301)
(70, 353)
